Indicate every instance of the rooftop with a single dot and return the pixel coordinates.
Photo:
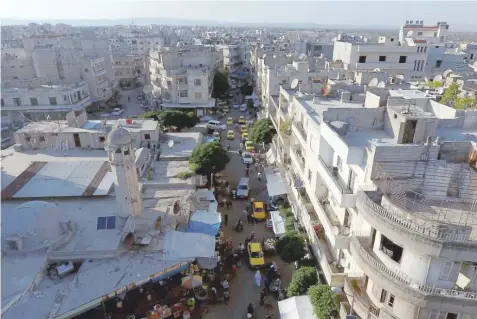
(46, 88)
(184, 144)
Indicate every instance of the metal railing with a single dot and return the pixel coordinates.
(343, 189)
(300, 129)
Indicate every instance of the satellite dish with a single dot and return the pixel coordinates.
(377, 70)
(264, 56)
(400, 76)
(409, 34)
(447, 73)
(294, 83)
(381, 84)
(302, 56)
(170, 143)
(373, 82)
(426, 79)
(437, 78)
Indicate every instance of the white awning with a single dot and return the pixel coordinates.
(278, 224)
(296, 308)
(275, 183)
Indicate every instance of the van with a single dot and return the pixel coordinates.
(243, 188)
(216, 125)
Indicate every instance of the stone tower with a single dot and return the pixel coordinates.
(121, 156)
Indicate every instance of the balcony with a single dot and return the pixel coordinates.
(404, 287)
(298, 160)
(362, 304)
(423, 237)
(341, 192)
(300, 132)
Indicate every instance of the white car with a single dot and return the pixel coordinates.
(235, 106)
(243, 107)
(216, 125)
(117, 111)
(247, 158)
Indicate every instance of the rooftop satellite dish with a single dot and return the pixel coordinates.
(381, 84)
(170, 143)
(426, 79)
(302, 56)
(373, 82)
(437, 78)
(377, 70)
(400, 76)
(409, 34)
(447, 73)
(294, 83)
(264, 56)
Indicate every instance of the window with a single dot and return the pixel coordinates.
(451, 315)
(382, 58)
(391, 249)
(28, 139)
(3, 102)
(384, 293)
(86, 70)
(438, 63)
(33, 101)
(65, 98)
(198, 96)
(425, 49)
(108, 222)
(147, 136)
(362, 59)
(391, 301)
(309, 175)
(419, 33)
(126, 151)
(402, 59)
(197, 82)
(183, 93)
(17, 101)
(415, 64)
(102, 139)
(435, 34)
(41, 138)
(450, 271)
(53, 101)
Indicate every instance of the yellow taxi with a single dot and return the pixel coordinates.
(231, 135)
(245, 136)
(243, 129)
(241, 119)
(230, 121)
(258, 209)
(249, 146)
(255, 254)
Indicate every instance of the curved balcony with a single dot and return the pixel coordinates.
(403, 287)
(423, 238)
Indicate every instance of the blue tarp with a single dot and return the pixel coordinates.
(204, 222)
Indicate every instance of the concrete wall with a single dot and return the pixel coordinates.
(358, 119)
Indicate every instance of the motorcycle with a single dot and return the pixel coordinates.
(228, 147)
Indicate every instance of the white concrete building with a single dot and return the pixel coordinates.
(434, 34)
(388, 55)
(387, 196)
(183, 77)
(234, 57)
(53, 102)
(127, 69)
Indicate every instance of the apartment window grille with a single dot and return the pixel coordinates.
(17, 101)
(391, 249)
(450, 271)
(197, 82)
(382, 58)
(53, 101)
(391, 301)
(402, 59)
(33, 101)
(419, 33)
(362, 59)
(384, 294)
(438, 63)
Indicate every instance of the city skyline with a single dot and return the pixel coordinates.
(276, 13)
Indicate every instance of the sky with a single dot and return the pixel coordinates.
(459, 14)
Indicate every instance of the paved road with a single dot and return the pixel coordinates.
(131, 108)
(243, 290)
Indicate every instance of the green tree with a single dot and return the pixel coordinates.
(246, 89)
(302, 279)
(434, 84)
(291, 247)
(177, 119)
(208, 158)
(250, 104)
(221, 84)
(465, 102)
(450, 95)
(323, 300)
(262, 131)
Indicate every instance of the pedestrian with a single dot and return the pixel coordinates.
(230, 203)
(262, 296)
(258, 278)
(266, 283)
(225, 284)
(250, 310)
(214, 294)
(226, 219)
(259, 176)
(226, 296)
(249, 218)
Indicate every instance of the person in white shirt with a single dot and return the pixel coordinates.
(225, 284)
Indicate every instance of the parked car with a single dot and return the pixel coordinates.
(243, 107)
(255, 255)
(216, 125)
(117, 111)
(230, 121)
(235, 106)
(241, 119)
(247, 158)
(258, 211)
(230, 135)
(249, 146)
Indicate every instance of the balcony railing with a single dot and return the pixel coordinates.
(300, 129)
(343, 189)
(363, 305)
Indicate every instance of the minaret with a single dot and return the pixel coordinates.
(121, 156)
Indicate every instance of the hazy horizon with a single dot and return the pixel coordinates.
(459, 14)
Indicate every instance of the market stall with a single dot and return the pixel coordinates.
(278, 224)
(205, 222)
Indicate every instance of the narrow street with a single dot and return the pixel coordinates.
(242, 288)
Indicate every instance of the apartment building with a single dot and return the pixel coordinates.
(127, 68)
(183, 77)
(388, 55)
(138, 45)
(434, 34)
(51, 102)
(387, 194)
(233, 57)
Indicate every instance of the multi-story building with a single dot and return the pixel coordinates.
(126, 68)
(233, 57)
(183, 77)
(435, 34)
(51, 102)
(386, 189)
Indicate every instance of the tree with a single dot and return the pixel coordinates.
(465, 102)
(323, 300)
(434, 84)
(291, 247)
(262, 131)
(250, 104)
(450, 95)
(246, 89)
(221, 84)
(302, 279)
(208, 158)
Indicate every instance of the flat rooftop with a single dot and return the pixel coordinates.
(184, 144)
(45, 88)
(408, 94)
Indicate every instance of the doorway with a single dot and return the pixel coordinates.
(77, 140)
(409, 130)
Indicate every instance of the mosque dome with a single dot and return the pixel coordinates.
(118, 136)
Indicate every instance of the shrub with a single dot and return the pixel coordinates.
(302, 279)
(323, 300)
(291, 247)
(184, 175)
